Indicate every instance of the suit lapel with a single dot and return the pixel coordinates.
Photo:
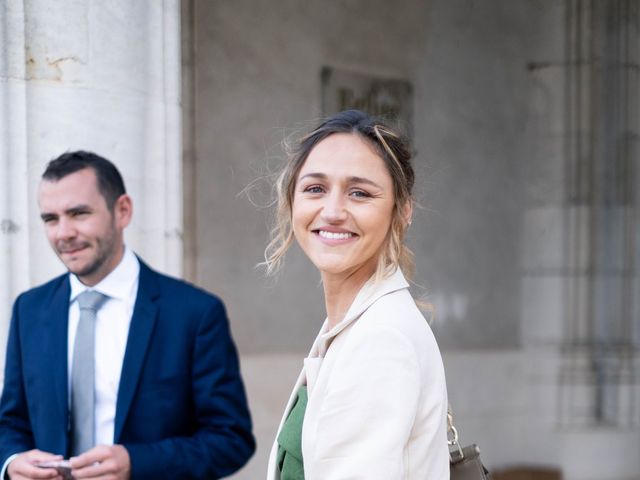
(56, 319)
(142, 324)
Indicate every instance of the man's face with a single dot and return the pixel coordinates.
(83, 232)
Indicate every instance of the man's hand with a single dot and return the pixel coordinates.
(104, 461)
(24, 466)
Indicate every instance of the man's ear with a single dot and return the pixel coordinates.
(123, 211)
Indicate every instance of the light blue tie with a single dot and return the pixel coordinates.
(83, 373)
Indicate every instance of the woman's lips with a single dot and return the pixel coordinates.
(335, 235)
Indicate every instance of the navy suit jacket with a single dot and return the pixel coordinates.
(181, 410)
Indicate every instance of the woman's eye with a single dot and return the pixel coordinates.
(313, 189)
(359, 194)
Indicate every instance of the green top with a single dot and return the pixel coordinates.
(290, 440)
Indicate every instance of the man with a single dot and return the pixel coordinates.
(168, 400)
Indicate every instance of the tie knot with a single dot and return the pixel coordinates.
(91, 300)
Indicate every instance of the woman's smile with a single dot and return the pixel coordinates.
(335, 236)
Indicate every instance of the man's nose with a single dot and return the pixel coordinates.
(65, 229)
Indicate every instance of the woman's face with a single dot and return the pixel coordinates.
(343, 205)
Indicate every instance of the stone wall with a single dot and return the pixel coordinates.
(489, 131)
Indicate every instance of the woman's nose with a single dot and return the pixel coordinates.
(334, 209)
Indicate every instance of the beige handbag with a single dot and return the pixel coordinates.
(464, 462)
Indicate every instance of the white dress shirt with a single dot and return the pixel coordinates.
(112, 329)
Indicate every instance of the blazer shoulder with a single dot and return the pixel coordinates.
(169, 288)
(396, 309)
(45, 291)
(397, 312)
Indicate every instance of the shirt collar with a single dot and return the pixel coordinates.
(115, 285)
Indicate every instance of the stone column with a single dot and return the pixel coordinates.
(602, 126)
(581, 237)
(100, 76)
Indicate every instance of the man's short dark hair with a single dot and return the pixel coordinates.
(110, 183)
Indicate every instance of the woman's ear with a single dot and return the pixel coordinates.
(407, 212)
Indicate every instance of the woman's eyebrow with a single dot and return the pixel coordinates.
(352, 179)
(364, 180)
(321, 176)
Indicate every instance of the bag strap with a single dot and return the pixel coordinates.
(461, 456)
(453, 438)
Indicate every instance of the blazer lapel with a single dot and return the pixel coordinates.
(56, 314)
(142, 323)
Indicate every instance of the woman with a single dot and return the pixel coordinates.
(371, 400)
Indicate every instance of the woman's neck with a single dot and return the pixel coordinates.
(340, 291)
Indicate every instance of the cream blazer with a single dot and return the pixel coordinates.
(377, 394)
